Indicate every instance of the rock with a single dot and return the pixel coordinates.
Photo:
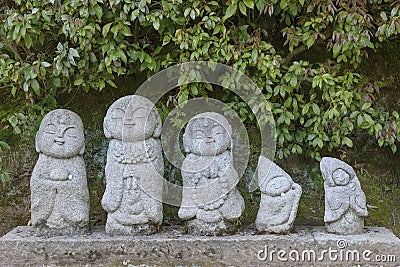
(134, 169)
(280, 198)
(345, 203)
(306, 246)
(210, 200)
(59, 192)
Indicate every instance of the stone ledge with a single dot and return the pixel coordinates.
(171, 247)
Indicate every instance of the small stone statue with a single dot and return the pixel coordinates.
(345, 203)
(210, 200)
(134, 169)
(59, 192)
(280, 198)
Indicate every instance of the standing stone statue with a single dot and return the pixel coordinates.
(59, 193)
(345, 203)
(210, 200)
(280, 198)
(134, 168)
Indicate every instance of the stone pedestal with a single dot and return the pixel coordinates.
(307, 246)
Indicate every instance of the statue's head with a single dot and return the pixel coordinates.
(61, 135)
(278, 185)
(341, 177)
(336, 172)
(207, 134)
(132, 118)
(272, 179)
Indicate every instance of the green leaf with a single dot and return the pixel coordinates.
(242, 8)
(126, 31)
(98, 10)
(45, 64)
(305, 109)
(260, 5)
(156, 24)
(25, 87)
(320, 143)
(57, 82)
(231, 10)
(28, 40)
(106, 29)
(310, 42)
(283, 4)
(394, 11)
(147, 58)
(336, 50)
(35, 86)
(360, 120)
(193, 90)
(368, 118)
(17, 130)
(383, 16)
(381, 142)
(73, 52)
(78, 82)
(347, 141)
(309, 122)
(110, 82)
(4, 177)
(217, 29)
(16, 34)
(122, 56)
(4, 145)
(293, 81)
(342, 58)
(366, 105)
(315, 109)
(13, 120)
(249, 3)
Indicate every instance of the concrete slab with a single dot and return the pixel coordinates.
(307, 246)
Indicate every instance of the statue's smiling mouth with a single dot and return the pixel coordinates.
(59, 142)
(340, 179)
(210, 141)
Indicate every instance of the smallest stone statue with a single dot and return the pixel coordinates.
(59, 192)
(280, 198)
(345, 203)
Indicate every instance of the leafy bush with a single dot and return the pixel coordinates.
(53, 46)
(4, 173)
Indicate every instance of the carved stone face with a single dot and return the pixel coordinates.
(340, 177)
(132, 118)
(278, 186)
(61, 135)
(207, 135)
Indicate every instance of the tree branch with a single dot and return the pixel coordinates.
(16, 54)
(5, 86)
(297, 51)
(301, 49)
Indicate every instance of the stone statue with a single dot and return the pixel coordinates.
(59, 193)
(280, 198)
(345, 203)
(210, 200)
(134, 169)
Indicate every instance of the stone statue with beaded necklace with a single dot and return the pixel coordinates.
(134, 185)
